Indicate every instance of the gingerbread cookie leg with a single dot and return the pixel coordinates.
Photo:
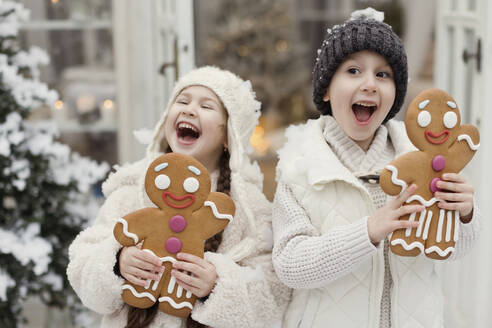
(174, 299)
(443, 234)
(409, 242)
(138, 296)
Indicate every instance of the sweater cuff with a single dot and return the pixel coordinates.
(473, 227)
(359, 244)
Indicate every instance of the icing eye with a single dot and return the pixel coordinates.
(191, 184)
(162, 181)
(424, 118)
(450, 119)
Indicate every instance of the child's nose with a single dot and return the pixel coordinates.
(189, 110)
(369, 84)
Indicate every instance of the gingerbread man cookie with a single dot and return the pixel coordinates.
(433, 124)
(187, 214)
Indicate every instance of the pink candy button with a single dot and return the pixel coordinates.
(433, 185)
(438, 163)
(177, 223)
(173, 245)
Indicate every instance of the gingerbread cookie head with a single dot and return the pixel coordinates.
(177, 182)
(433, 120)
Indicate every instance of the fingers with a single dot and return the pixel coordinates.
(463, 208)
(150, 258)
(405, 195)
(185, 279)
(141, 259)
(136, 281)
(454, 177)
(455, 187)
(404, 224)
(192, 289)
(190, 267)
(144, 274)
(192, 259)
(454, 197)
(408, 209)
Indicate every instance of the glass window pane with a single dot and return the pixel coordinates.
(67, 10)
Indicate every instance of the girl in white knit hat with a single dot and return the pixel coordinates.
(330, 217)
(210, 116)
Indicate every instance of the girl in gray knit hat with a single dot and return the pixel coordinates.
(210, 116)
(330, 217)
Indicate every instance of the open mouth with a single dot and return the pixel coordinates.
(438, 138)
(363, 112)
(178, 202)
(187, 133)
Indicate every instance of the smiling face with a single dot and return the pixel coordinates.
(432, 120)
(177, 181)
(361, 93)
(196, 125)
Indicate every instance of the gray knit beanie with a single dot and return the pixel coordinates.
(364, 30)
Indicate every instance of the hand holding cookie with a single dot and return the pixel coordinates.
(138, 267)
(194, 274)
(456, 194)
(387, 219)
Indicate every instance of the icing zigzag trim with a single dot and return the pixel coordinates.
(439, 251)
(406, 246)
(174, 304)
(216, 212)
(426, 203)
(125, 230)
(137, 294)
(468, 139)
(394, 177)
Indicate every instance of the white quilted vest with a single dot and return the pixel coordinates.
(332, 197)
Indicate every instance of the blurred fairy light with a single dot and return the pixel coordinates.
(281, 46)
(58, 104)
(108, 104)
(258, 141)
(54, 1)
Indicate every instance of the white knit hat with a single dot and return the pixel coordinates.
(244, 110)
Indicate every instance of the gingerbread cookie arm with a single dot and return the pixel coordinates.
(465, 146)
(394, 178)
(217, 212)
(132, 228)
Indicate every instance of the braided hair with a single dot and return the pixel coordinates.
(213, 243)
(141, 318)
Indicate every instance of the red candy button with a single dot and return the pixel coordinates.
(438, 163)
(177, 223)
(433, 185)
(173, 245)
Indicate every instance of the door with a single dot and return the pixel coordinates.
(462, 67)
(154, 44)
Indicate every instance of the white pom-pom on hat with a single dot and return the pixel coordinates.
(368, 13)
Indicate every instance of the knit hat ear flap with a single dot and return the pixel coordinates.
(365, 30)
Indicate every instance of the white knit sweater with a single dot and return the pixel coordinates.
(314, 260)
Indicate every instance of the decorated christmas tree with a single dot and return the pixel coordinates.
(44, 187)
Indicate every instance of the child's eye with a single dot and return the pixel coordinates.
(182, 101)
(207, 106)
(353, 70)
(383, 75)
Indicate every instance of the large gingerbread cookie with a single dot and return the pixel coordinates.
(433, 124)
(187, 214)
